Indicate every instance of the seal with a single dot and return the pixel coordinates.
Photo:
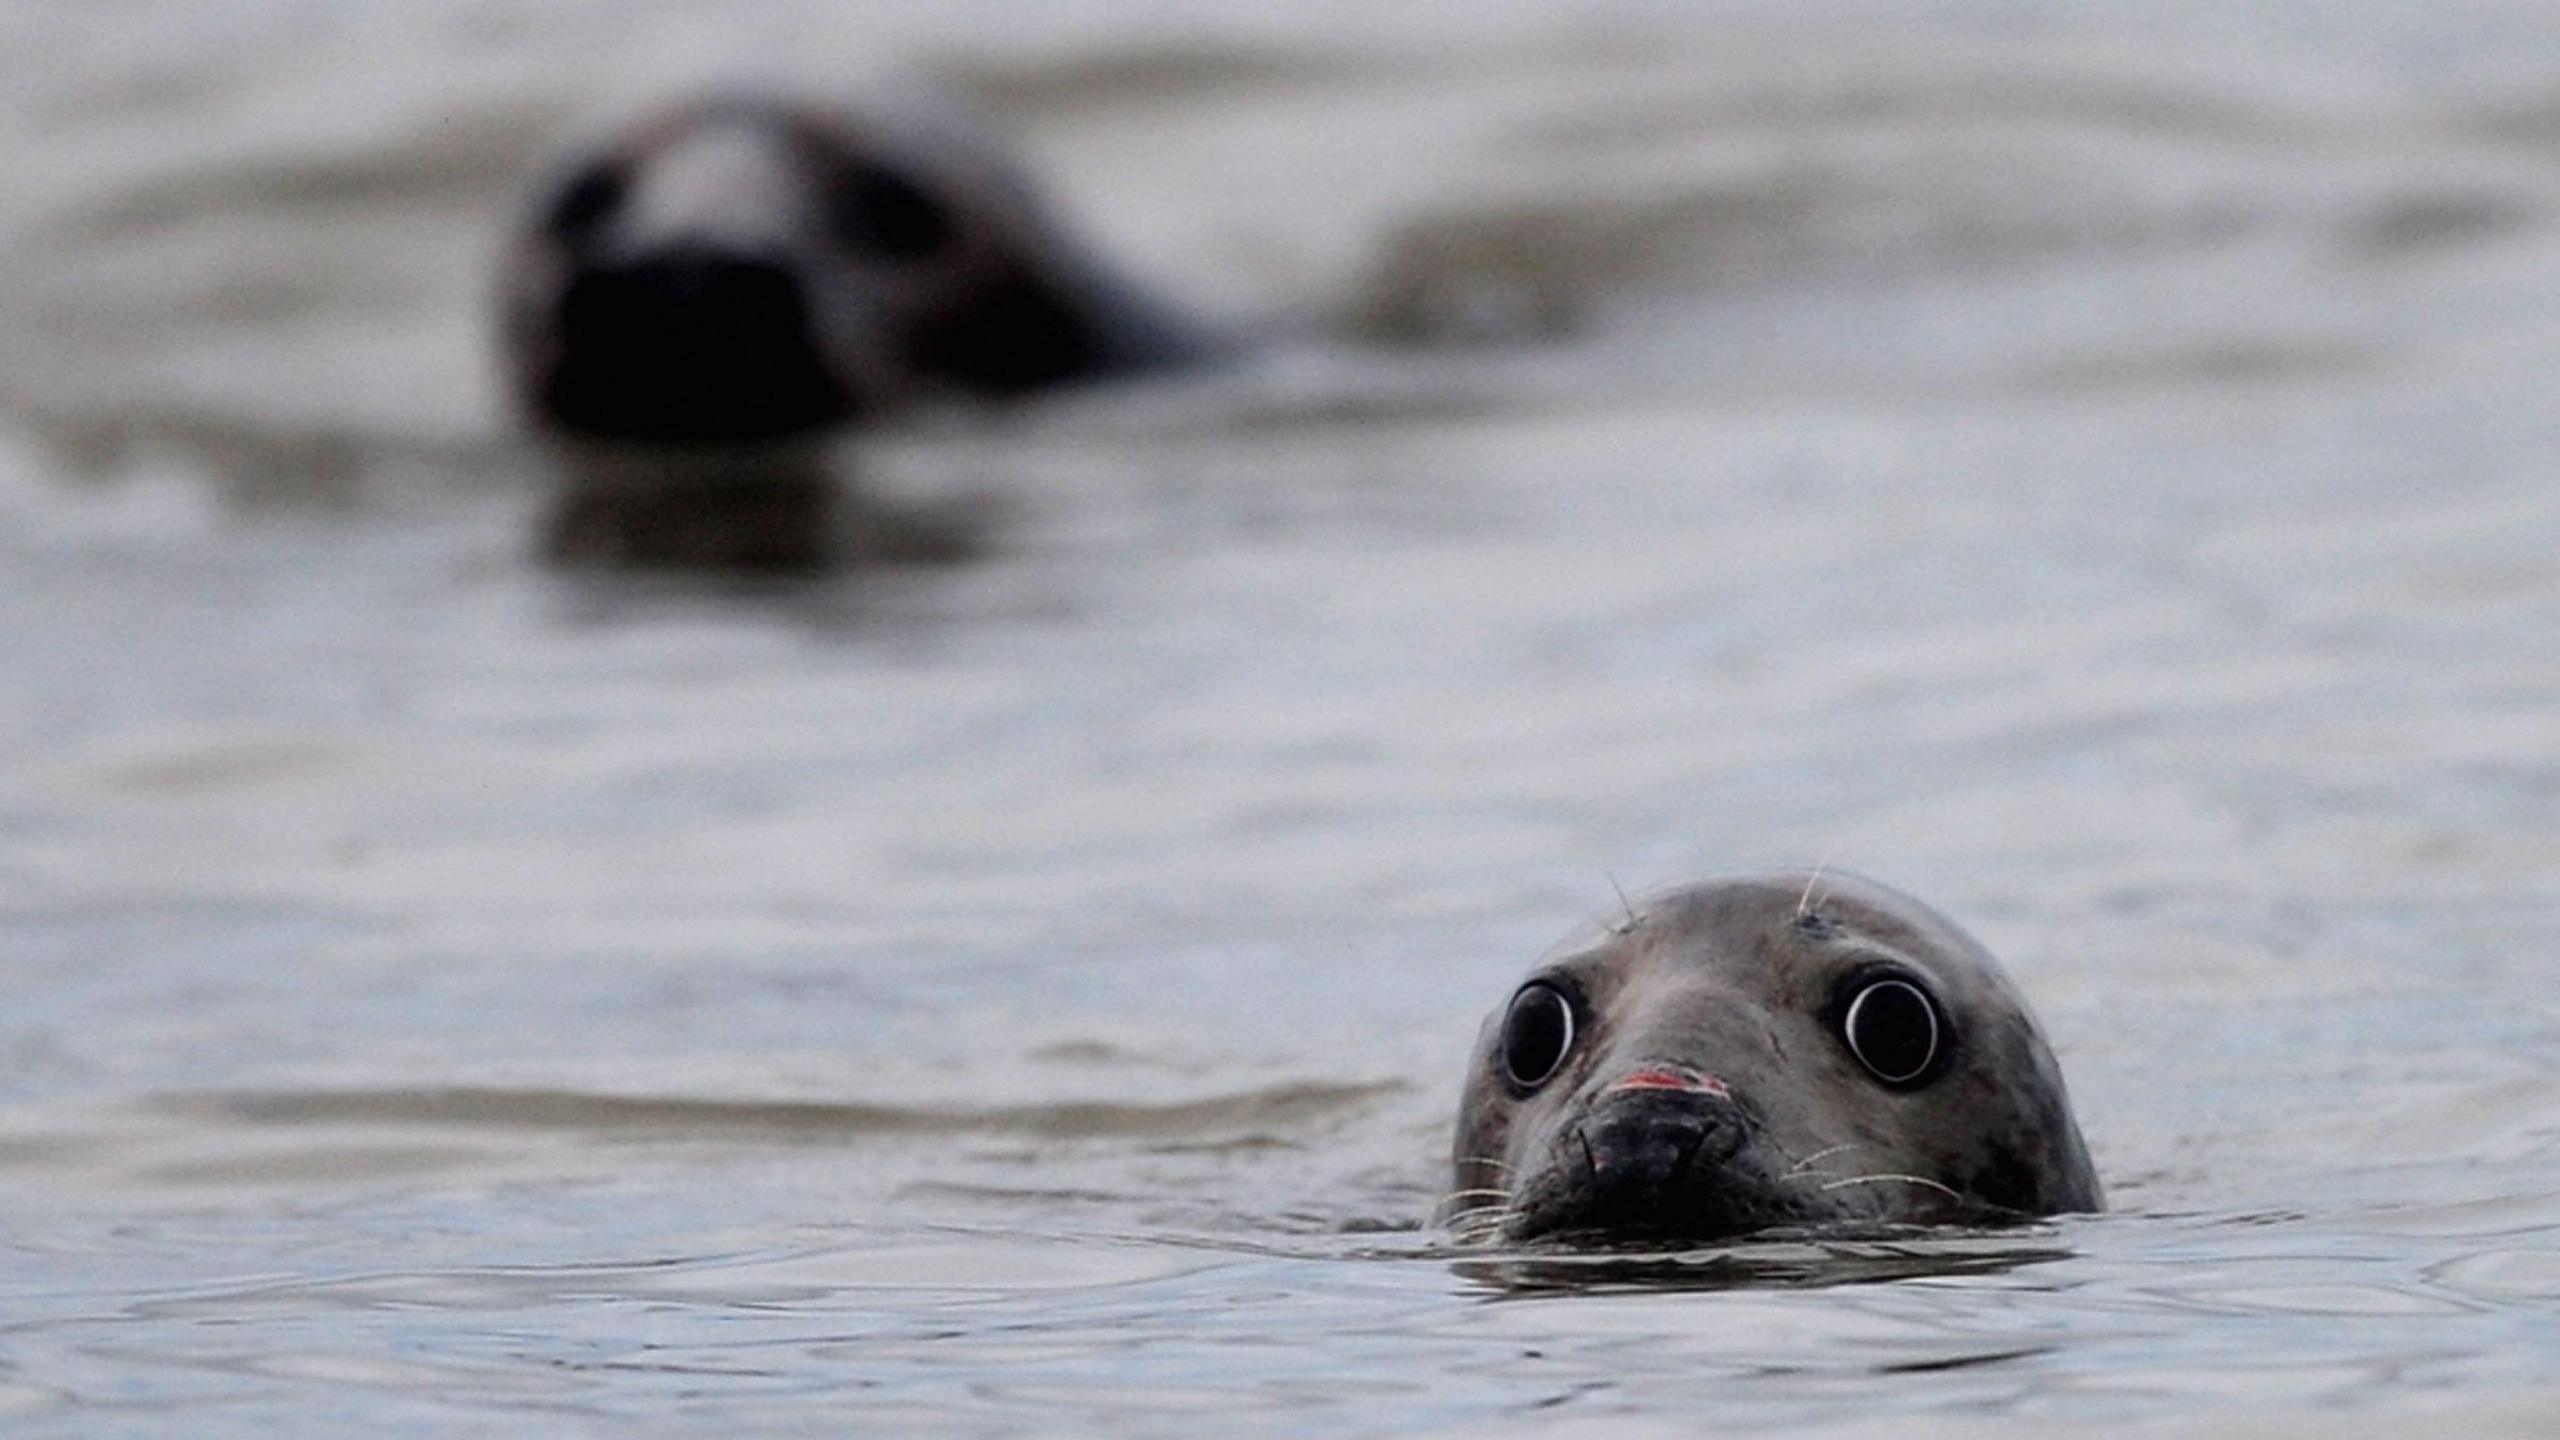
(691, 306)
(1779, 1050)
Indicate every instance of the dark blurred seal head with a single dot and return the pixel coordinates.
(745, 268)
(732, 276)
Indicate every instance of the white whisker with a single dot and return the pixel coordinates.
(1633, 919)
(1901, 1179)
(1804, 902)
(1817, 1156)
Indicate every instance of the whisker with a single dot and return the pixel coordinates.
(1808, 1162)
(1633, 919)
(1804, 902)
(1487, 1160)
(1904, 1179)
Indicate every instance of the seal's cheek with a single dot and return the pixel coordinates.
(1483, 1143)
(1005, 334)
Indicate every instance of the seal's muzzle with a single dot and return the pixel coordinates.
(691, 345)
(1649, 1157)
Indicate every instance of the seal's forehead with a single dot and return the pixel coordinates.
(750, 168)
(1773, 923)
(1700, 916)
(739, 130)
(1728, 931)
(748, 148)
(721, 167)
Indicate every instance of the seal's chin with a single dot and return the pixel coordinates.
(1653, 1163)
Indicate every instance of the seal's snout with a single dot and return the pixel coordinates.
(689, 281)
(1643, 1149)
(691, 343)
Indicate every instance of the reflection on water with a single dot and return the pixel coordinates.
(2085, 464)
(1815, 1262)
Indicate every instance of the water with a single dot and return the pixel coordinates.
(2086, 464)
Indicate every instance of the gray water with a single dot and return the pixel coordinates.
(2087, 464)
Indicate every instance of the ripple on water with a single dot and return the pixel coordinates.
(2090, 472)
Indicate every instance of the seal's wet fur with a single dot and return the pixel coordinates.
(1709, 1090)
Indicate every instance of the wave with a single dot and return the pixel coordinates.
(1285, 1103)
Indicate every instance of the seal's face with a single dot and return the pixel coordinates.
(1734, 1057)
(741, 271)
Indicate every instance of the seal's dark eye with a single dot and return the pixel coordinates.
(880, 212)
(1892, 1027)
(587, 201)
(1536, 1035)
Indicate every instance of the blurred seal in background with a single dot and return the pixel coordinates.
(1779, 1050)
(692, 307)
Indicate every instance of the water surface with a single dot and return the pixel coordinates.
(2086, 464)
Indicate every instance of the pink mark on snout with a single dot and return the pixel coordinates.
(1665, 1077)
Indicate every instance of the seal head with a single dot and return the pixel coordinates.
(1767, 1051)
(692, 308)
(747, 268)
